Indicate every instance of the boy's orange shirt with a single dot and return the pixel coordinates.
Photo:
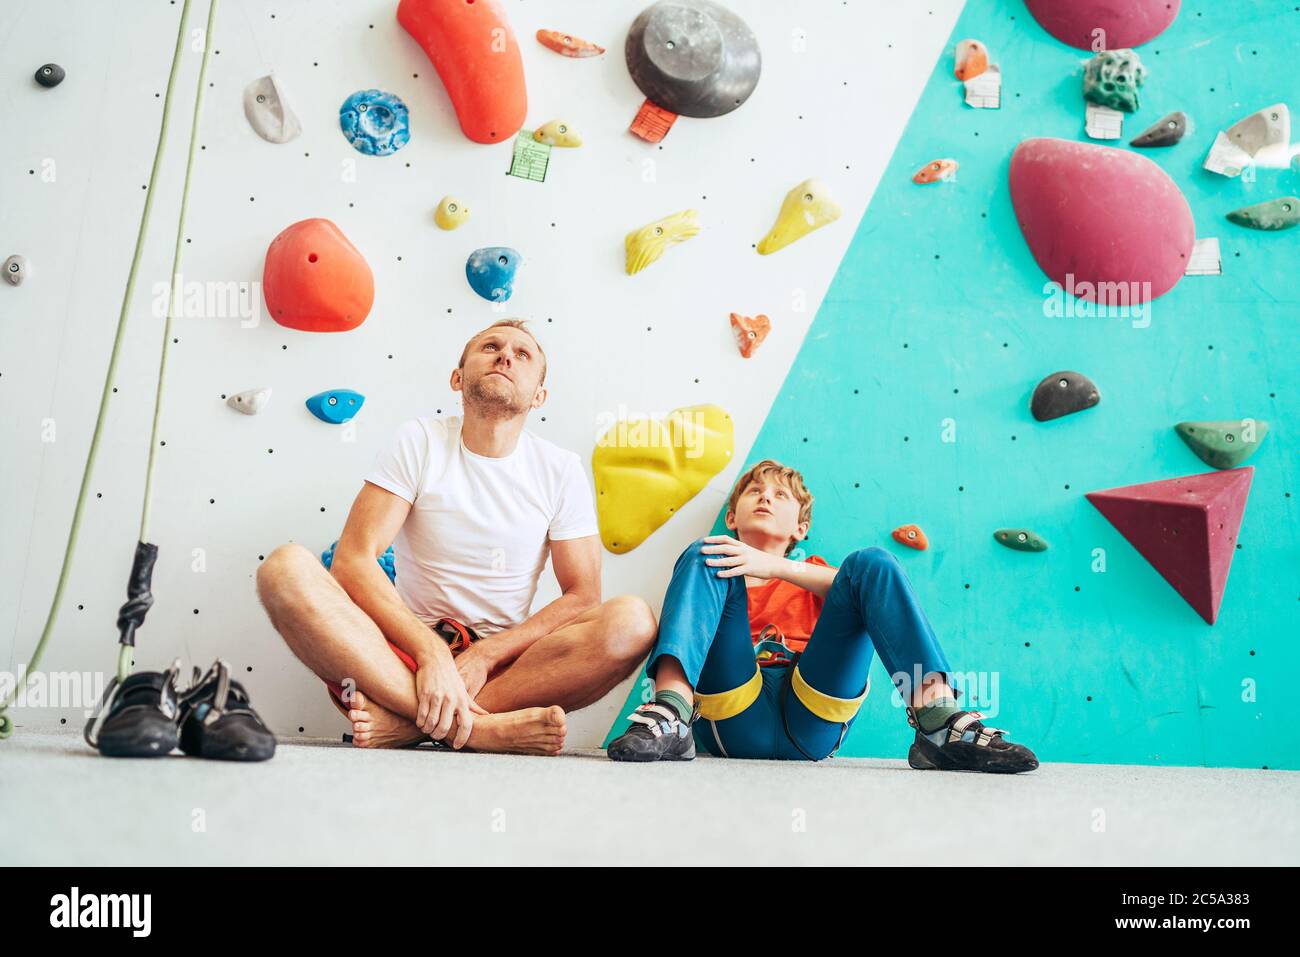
(792, 609)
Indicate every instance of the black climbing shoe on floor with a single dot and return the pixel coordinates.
(139, 717)
(968, 745)
(656, 734)
(218, 722)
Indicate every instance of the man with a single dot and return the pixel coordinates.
(472, 506)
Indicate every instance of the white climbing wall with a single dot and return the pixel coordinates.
(839, 82)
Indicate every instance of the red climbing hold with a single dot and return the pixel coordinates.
(315, 280)
(912, 537)
(750, 333)
(1105, 224)
(1185, 527)
(1104, 24)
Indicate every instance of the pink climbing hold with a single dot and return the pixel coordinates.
(1185, 527)
(1104, 24)
(1107, 225)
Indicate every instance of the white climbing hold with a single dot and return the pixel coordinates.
(250, 401)
(268, 110)
(17, 268)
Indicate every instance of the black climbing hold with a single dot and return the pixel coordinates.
(1166, 132)
(1063, 393)
(50, 75)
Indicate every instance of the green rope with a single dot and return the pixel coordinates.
(6, 723)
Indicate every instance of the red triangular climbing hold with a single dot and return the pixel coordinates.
(1185, 527)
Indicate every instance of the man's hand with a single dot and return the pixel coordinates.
(474, 668)
(737, 558)
(442, 699)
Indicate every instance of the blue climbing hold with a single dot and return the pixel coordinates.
(376, 123)
(491, 271)
(387, 561)
(335, 406)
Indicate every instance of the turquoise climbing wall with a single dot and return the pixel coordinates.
(935, 322)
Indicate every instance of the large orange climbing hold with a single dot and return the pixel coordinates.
(471, 45)
(315, 280)
(912, 537)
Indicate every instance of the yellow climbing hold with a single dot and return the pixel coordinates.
(646, 469)
(450, 213)
(557, 133)
(648, 243)
(806, 207)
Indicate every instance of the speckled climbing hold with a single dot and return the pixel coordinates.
(477, 57)
(1185, 527)
(972, 59)
(806, 207)
(17, 269)
(335, 406)
(568, 45)
(1020, 539)
(1224, 444)
(912, 536)
(1084, 23)
(938, 171)
(646, 469)
(387, 561)
(645, 245)
(1271, 215)
(315, 280)
(375, 123)
(250, 401)
(1063, 393)
(50, 75)
(750, 333)
(1166, 132)
(1111, 79)
(557, 133)
(268, 111)
(450, 213)
(1106, 224)
(491, 272)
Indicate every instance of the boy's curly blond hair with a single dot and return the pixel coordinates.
(773, 471)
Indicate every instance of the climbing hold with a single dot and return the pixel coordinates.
(938, 171)
(1063, 393)
(375, 123)
(1261, 139)
(972, 60)
(475, 53)
(1020, 539)
(646, 469)
(335, 406)
(450, 213)
(1106, 224)
(557, 133)
(567, 44)
(1084, 23)
(1224, 444)
(1271, 215)
(1166, 132)
(1111, 79)
(911, 536)
(268, 112)
(1185, 527)
(645, 245)
(750, 333)
(250, 401)
(387, 561)
(17, 269)
(315, 280)
(491, 272)
(805, 208)
(50, 75)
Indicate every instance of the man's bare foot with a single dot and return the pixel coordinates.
(374, 726)
(538, 731)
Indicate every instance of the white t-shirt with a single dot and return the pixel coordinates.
(477, 537)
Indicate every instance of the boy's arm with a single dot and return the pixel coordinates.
(732, 557)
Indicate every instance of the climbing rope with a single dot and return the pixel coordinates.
(139, 600)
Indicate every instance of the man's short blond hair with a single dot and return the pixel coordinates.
(771, 470)
(520, 324)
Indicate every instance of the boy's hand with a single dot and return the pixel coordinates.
(737, 558)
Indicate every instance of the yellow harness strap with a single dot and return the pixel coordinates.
(824, 706)
(728, 704)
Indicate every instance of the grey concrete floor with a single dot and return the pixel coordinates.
(322, 802)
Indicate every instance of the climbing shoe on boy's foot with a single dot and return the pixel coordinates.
(964, 743)
(218, 722)
(656, 734)
(139, 717)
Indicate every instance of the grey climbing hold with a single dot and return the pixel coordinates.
(1168, 131)
(268, 111)
(1271, 215)
(250, 401)
(50, 75)
(1020, 539)
(17, 269)
(1063, 393)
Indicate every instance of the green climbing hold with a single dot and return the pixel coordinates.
(1020, 539)
(1225, 444)
(1112, 78)
(1275, 214)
